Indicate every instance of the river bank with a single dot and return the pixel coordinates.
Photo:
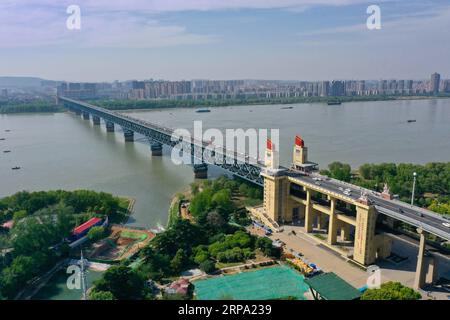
(145, 105)
(175, 203)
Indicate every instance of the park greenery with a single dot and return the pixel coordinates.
(212, 238)
(42, 220)
(96, 233)
(120, 282)
(432, 185)
(391, 291)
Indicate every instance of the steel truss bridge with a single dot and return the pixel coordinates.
(201, 152)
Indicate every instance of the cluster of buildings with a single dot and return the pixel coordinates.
(242, 89)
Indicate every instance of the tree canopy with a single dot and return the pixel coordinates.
(122, 282)
(391, 291)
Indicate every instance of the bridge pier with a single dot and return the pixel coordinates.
(109, 126)
(96, 120)
(86, 115)
(419, 279)
(364, 248)
(308, 213)
(333, 223)
(201, 171)
(156, 149)
(433, 274)
(129, 135)
(319, 221)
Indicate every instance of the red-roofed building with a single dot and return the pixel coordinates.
(180, 286)
(84, 228)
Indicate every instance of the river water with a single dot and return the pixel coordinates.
(62, 151)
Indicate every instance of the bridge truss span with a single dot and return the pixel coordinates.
(232, 162)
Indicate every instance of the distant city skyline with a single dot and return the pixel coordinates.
(302, 40)
(243, 89)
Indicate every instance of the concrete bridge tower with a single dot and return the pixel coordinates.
(272, 156)
(300, 156)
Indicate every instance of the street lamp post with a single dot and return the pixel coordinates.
(414, 188)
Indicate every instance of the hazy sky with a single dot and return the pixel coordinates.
(224, 39)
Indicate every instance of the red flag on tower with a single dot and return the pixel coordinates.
(299, 141)
(269, 145)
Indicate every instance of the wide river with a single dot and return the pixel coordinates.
(62, 151)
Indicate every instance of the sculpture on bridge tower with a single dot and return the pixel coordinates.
(386, 194)
(271, 160)
(363, 198)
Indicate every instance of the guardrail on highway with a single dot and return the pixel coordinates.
(414, 222)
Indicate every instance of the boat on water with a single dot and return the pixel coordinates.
(15, 168)
(202, 110)
(412, 120)
(333, 102)
(6, 151)
(1, 139)
(287, 107)
(7, 130)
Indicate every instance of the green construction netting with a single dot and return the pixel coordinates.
(263, 284)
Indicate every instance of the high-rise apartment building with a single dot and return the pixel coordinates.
(409, 86)
(324, 88)
(446, 86)
(337, 88)
(434, 83)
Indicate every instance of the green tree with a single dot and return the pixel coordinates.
(123, 282)
(101, 295)
(442, 208)
(244, 189)
(208, 266)
(391, 291)
(181, 235)
(200, 254)
(222, 202)
(14, 277)
(96, 233)
(34, 234)
(340, 171)
(265, 245)
(179, 262)
(200, 205)
(157, 265)
(216, 221)
(19, 215)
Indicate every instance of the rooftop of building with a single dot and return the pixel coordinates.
(331, 287)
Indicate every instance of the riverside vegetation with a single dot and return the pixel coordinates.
(214, 237)
(42, 220)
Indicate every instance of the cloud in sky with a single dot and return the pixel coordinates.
(37, 25)
(158, 6)
(122, 23)
(182, 39)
